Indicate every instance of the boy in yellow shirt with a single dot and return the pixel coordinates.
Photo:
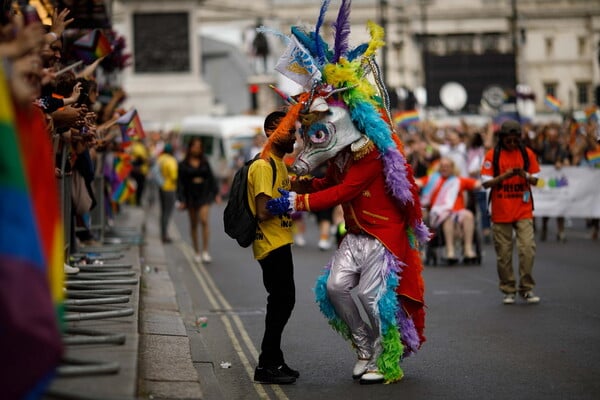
(272, 249)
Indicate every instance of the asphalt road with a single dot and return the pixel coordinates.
(476, 347)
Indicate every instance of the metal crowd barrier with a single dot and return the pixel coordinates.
(96, 291)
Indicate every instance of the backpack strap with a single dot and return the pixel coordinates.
(274, 167)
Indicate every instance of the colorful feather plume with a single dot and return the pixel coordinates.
(342, 31)
(320, 51)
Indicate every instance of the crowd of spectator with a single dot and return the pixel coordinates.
(61, 96)
(570, 143)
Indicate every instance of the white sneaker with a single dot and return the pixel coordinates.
(371, 377)
(530, 298)
(509, 298)
(299, 241)
(206, 258)
(359, 368)
(197, 258)
(70, 270)
(324, 244)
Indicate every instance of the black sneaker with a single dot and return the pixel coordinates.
(288, 371)
(272, 375)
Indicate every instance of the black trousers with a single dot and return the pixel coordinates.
(278, 278)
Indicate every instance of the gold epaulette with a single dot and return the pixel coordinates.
(362, 147)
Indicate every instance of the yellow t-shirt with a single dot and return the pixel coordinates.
(139, 151)
(168, 168)
(276, 231)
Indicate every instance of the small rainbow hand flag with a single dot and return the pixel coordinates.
(552, 102)
(593, 157)
(131, 126)
(124, 191)
(92, 46)
(122, 166)
(407, 117)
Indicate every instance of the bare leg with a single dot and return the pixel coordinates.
(448, 229)
(203, 214)
(468, 226)
(193, 214)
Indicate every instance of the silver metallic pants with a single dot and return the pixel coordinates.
(359, 263)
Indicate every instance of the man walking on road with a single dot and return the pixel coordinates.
(167, 165)
(509, 169)
(272, 249)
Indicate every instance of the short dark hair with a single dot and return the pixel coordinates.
(272, 120)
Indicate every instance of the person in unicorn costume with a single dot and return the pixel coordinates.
(345, 121)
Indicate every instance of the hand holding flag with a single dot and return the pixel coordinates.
(131, 126)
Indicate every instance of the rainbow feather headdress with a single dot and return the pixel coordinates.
(340, 76)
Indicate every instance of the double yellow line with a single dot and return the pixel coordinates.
(218, 302)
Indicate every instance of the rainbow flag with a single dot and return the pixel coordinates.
(591, 113)
(31, 252)
(122, 166)
(92, 46)
(593, 157)
(552, 102)
(124, 190)
(131, 126)
(405, 118)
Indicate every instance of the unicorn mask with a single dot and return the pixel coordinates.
(321, 139)
(344, 102)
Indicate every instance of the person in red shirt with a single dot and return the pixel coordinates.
(509, 169)
(443, 194)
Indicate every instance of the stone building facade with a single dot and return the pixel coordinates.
(552, 46)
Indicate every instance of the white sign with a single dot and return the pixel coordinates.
(567, 192)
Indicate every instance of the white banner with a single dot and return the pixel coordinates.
(567, 192)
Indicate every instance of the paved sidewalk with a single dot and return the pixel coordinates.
(155, 362)
(166, 367)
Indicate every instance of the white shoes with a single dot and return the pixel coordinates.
(299, 240)
(206, 258)
(324, 244)
(371, 377)
(509, 298)
(70, 270)
(530, 298)
(359, 368)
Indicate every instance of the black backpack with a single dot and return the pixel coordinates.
(239, 222)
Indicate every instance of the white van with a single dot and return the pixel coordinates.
(225, 140)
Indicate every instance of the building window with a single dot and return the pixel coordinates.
(161, 42)
(550, 88)
(460, 44)
(490, 43)
(549, 46)
(435, 44)
(583, 93)
(581, 45)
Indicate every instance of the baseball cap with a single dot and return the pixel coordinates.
(510, 126)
